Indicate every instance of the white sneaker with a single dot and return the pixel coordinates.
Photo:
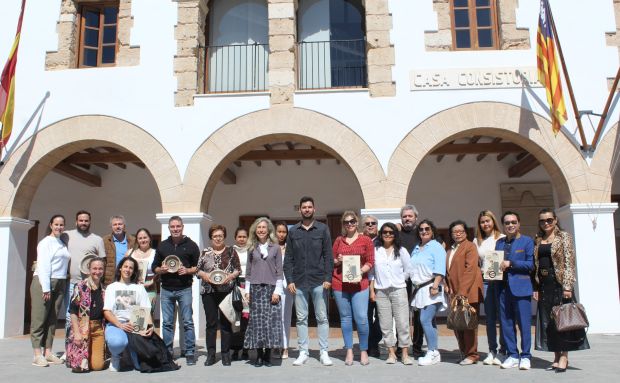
(524, 364)
(510, 362)
(489, 359)
(115, 364)
(431, 357)
(301, 359)
(497, 361)
(325, 360)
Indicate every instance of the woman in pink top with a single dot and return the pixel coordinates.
(352, 297)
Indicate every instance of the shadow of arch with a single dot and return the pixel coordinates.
(36, 157)
(280, 124)
(558, 155)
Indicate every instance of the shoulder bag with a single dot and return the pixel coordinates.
(462, 315)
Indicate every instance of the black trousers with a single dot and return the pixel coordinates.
(374, 334)
(214, 318)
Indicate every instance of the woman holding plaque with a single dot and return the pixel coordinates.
(487, 234)
(241, 247)
(389, 290)
(263, 290)
(428, 267)
(120, 297)
(464, 279)
(218, 267)
(354, 257)
(288, 298)
(144, 254)
(554, 280)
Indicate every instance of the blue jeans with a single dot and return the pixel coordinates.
(491, 312)
(319, 300)
(168, 299)
(117, 342)
(353, 306)
(427, 314)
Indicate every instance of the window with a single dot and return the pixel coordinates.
(98, 34)
(474, 24)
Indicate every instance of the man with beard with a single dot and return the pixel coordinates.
(308, 268)
(116, 245)
(371, 226)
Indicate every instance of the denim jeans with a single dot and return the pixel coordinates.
(168, 299)
(427, 314)
(117, 342)
(353, 306)
(491, 312)
(319, 300)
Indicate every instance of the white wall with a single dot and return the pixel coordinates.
(131, 192)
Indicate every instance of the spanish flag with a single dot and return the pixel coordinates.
(548, 70)
(7, 87)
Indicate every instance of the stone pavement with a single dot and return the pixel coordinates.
(599, 364)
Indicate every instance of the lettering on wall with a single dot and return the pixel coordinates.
(474, 78)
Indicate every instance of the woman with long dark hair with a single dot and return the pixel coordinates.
(144, 254)
(287, 298)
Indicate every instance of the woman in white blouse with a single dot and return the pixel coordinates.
(487, 233)
(389, 289)
(47, 291)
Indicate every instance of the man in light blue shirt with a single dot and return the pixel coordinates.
(116, 246)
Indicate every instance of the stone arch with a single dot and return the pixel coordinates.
(36, 157)
(604, 163)
(240, 135)
(567, 168)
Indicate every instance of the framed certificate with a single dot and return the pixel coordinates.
(351, 269)
(490, 265)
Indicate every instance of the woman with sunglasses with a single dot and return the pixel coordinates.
(487, 234)
(390, 290)
(554, 280)
(428, 267)
(352, 297)
(464, 279)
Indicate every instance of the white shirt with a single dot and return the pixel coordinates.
(242, 252)
(390, 271)
(52, 261)
(120, 297)
(488, 244)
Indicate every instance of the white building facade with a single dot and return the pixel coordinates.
(225, 110)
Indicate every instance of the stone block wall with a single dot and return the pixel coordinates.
(613, 38)
(510, 37)
(66, 57)
(282, 42)
(380, 51)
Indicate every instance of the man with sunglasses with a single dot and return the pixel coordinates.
(515, 291)
(371, 228)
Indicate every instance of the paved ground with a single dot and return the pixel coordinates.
(600, 364)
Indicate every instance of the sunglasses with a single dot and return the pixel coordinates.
(388, 233)
(350, 222)
(506, 223)
(370, 223)
(423, 229)
(547, 221)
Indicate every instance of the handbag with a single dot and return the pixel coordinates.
(570, 316)
(237, 300)
(462, 315)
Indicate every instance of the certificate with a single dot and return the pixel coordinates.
(351, 269)
(491, 265)
(140, 319)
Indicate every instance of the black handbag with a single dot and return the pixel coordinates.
(462, 315)
(237, 300)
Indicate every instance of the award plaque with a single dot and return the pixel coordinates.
(173, 262)
(217, 277)
(140, 319)
(491, 265)
(351, 269)
(85, 264)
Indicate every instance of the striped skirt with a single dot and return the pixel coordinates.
(265, 325)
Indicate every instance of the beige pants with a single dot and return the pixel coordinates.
(44, 314)
(393, 307)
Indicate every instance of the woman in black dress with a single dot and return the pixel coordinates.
(554, 279)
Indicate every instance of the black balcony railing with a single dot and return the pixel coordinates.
(332, 64)
(237, 68)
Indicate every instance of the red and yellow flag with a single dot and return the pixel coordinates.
(7, 87)
(548, 70)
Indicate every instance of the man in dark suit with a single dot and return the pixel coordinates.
(515, 291)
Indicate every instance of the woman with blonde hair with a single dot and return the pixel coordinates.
(487, 234)
(352, 297)
(263, 288)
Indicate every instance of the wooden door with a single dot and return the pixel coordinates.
(33, 240)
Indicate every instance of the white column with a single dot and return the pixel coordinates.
(196, 227)
(383, 215)
(597, 278)
(13, 258)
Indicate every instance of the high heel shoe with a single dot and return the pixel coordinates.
(560, 370)
(552, 367)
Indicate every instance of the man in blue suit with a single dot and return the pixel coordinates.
(515, 293)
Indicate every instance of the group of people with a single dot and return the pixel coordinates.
(387, 280)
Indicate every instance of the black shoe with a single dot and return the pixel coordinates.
(267, 358)
(235, 355)
(210, 360)
(259, 358)
(226, 359)
(190, 360)
(245, 355)
(374, 352)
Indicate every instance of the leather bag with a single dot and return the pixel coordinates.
(237, 300)
(569, 317)
(462, 315)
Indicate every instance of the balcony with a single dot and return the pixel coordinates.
(332, 64)
(237, 68)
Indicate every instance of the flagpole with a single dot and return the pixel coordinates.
(584, 144)
(601, 122)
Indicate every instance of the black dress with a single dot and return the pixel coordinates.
(550, 294)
